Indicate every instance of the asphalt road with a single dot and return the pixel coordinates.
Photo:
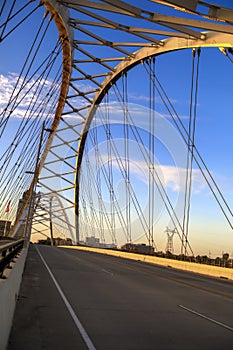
(104, 302)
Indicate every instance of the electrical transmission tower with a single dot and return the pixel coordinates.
(170, 234)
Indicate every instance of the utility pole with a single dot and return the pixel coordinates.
(36, 172)
(50, 219)
(27, 231)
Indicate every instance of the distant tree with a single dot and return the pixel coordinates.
(169, 255)
(225, 256)
(204, 259)
(181, 257)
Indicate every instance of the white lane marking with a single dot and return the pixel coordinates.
(207, 318)
(69, 307)
(108, 272)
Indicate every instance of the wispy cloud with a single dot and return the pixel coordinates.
(17, 95)
(170, 176)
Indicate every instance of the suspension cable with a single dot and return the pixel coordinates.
(110, 165)
(126, 154)
(196, 155)
(9, 18)
(31, 82)
(190, 153)
(156, 178)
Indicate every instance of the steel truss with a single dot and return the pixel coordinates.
(99, 46)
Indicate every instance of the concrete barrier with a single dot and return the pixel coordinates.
(208, 270)
(9, 289)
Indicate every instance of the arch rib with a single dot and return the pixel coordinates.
(60, 15)
(212, 39)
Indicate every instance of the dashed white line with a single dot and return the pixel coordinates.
(79, 325)
(108, 272)
(207, 318)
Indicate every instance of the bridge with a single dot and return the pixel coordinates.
(115, 134)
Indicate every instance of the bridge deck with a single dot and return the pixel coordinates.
(121, 304)
(41, 320)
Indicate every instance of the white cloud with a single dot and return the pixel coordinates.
(172, 177)
(17, 95)
(175, 178)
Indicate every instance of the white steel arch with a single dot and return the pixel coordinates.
(60, 16)
(212, 39)
(102, 39)
(88, 17)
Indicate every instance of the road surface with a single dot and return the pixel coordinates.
(82, 300)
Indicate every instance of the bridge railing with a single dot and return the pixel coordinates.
(8, 252)
(6, 238)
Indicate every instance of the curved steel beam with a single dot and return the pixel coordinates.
(60, 15)
(212, 39)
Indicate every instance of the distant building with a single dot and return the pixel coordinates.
(21, 229)
(95, 242)
(22, 222)
(5, 227)
(108, 245)
(56, 241)
(20, 204)
(138, 248)
(62, 241)
(92, 241)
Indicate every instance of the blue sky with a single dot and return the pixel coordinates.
(208, 228)
(209, 231)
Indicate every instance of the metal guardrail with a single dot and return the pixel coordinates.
(6, 238)
(8, 252)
